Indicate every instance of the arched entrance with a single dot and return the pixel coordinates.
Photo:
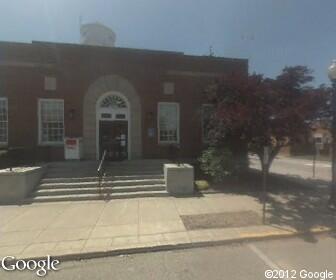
(111, 85)
(113, 133)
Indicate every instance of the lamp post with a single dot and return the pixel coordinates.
(332, 77)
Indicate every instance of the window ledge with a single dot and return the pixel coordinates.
(51, 144)
(168, 143)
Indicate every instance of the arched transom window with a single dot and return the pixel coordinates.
(112, 107)
(113, 101)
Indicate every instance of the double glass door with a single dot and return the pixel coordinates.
(113, 137)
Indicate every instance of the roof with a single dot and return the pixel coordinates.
(149, 51)
(42, 52)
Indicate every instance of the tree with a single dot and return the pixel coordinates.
(256, 112)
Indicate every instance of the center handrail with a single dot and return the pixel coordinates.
(100, 167)
(100, 170)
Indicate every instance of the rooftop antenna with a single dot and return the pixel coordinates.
(211, 51)
(80, 26)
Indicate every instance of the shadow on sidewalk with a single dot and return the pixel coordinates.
(296, 203)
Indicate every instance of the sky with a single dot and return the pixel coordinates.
(272, 34)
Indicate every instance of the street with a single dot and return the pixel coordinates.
(239, 261)
(297, 167)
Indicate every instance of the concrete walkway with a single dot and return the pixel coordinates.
(76, 229)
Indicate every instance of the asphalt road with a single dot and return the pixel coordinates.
(240, 261)
(297, 167)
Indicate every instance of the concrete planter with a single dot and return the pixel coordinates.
(179, 178)
(19, 183)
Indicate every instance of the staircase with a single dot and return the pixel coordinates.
(76, 181)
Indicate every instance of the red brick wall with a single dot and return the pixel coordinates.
(76, 67)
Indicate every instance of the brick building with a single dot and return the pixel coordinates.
(134, 103)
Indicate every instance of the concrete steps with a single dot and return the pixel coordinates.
(106, 183)
(111, 169)
(47, 180)
(84, 197)
(136, 182)
(71, 183)
(95, 190)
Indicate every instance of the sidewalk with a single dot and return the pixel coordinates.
(99, 228)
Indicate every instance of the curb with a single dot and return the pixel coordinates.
(180, 246)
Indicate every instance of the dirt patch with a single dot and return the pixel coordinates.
(221, 220)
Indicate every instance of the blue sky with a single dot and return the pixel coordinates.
(270, 33)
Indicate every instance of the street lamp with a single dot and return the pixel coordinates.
(332, 77)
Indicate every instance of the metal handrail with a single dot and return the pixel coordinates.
(100, 171)
(100, 167)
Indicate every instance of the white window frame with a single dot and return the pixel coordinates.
(202, 121)
(48, 143)
(2, 143)
(178, 123)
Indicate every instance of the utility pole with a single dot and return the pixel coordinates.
(332, 77)
(264, 182)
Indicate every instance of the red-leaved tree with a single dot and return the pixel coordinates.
(256, 112)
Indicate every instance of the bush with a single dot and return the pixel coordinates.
(217, 163)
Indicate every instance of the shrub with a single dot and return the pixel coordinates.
(217, 163)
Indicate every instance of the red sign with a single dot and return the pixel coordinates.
(71, 142)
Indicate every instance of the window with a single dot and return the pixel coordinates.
(106, 116)
(51, 121)
(168, 88)
(113, 101)
(3, 121)
(207, 110)
(120, 116)
(49, 83)
(168, 122)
